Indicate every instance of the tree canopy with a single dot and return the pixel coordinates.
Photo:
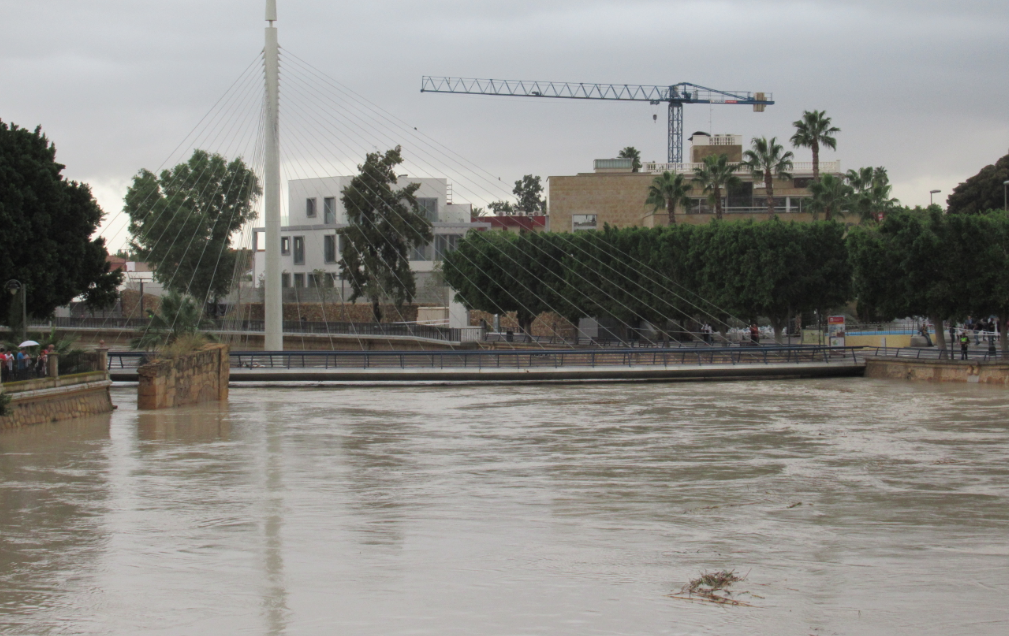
(672, 274)
(926, 263)
(385, 225)
(982, 192)
(46, 225)
(182, 221)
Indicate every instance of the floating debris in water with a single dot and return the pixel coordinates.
(712, 587)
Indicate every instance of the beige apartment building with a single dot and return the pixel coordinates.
(613, 194)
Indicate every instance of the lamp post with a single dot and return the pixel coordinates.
(15, 286)
(1005, 198)
(930, 193)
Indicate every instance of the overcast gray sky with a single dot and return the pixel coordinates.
(916, 86)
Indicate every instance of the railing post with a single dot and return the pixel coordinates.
(103, 357)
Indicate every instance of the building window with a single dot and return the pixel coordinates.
(583, 222)
(315, 280)
(285, 245)
(428, 209)
(310, 208)
(331, 279)
(329, 210)
(285, 280)
(422, 253)
(299, 250)
(444, 244)
(255, 241)
(329, 248)
(299, 280)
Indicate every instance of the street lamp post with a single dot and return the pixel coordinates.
(1005, 198)
(15, 286)
(930, 193)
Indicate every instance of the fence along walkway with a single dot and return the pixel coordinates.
(364, 329)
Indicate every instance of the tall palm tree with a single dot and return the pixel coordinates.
(715, 175)
(632, 153)
(668, 190)
(832, 196)
(812, 131)
(767, 161)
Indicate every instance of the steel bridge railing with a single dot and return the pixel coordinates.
(519, 359)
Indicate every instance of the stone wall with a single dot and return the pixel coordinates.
(975, 372)
(56, 399)
(546, 324)
(201, 376)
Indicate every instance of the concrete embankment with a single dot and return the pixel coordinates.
(970, 371)
(56, 399)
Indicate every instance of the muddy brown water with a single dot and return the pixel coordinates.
(514, 510)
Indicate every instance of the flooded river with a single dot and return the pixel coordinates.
(850, 506)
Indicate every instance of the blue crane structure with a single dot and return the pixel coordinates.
(676, 95)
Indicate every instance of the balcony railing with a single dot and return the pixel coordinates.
(798, 167)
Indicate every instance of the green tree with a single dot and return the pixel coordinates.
(773, 269)
(502, 208)
(501, 272)
(715, 175)
(46, 225)
(812, 131)
(767, 161)
(385, 225)
(917, 263)
(632, 153)
(182, 221)
(831, 196)
(666, 191)
(529, 194)
(984, 191)
(179, 316)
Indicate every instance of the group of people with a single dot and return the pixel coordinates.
(22, 365)
(983, 330)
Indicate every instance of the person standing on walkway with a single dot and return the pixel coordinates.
(754, 334)
(964, 344)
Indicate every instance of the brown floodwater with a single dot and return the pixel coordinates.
(515, 510)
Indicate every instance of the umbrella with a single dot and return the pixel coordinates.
(28, 343)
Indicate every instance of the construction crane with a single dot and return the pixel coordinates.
(675, 95)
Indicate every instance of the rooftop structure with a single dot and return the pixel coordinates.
(613, 194)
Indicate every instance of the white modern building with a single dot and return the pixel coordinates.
(310, 247)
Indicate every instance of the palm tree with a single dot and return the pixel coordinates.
(714, 175)
(667, 191)
(178, 316)
(766, 162)
(632, 153)
(831, 195)
(871, 192)
(812, 131)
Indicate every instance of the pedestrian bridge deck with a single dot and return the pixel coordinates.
(686, 363)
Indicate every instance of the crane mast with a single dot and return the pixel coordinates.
(675, 95)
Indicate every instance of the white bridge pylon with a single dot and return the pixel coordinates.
(273, 301)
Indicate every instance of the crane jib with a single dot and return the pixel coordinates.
(676, 95)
